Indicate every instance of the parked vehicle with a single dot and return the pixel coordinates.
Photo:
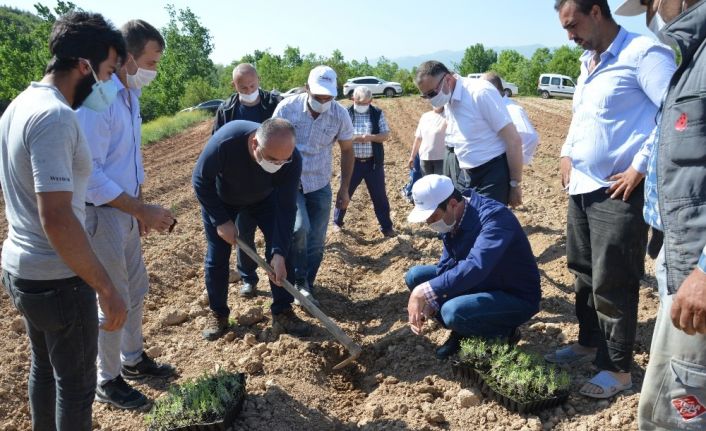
(376, 85)
(209, 105)
(293, 92)
(509, 88)
(553, 85)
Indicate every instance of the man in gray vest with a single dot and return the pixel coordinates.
(674, 390)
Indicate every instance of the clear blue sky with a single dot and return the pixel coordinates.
(364, 28)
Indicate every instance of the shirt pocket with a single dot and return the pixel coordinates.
(684, 130)
(681, 398)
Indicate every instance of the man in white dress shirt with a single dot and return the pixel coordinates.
(116, 216)
(530, 137)
(480, 136)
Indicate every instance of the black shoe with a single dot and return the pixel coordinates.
(147, 367)
(247, 290)
(215, 327)
(389, 233)
(119, 394)
(450, 346)
(287, 322)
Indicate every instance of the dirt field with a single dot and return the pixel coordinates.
(397, 384)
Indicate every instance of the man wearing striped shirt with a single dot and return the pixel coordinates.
(319, 122)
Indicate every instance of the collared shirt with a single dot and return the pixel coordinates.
(474, 115)
(432, 131)
(363, 126)
(114, 137)
(488, 251)
(614, 110)
(315, 137)
(530, 138)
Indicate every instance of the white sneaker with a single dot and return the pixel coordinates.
(304, 290)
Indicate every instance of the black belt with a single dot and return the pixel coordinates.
(364, 160)
(88, 204)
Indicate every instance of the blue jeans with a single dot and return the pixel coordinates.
(307, 251)
(491, 314)
(414, 174)
(247, 268)
(374, 177)
(61, 317)
(218, 258)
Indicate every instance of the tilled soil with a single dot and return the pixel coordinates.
(397, 384)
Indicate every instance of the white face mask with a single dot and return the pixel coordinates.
(441, 226)
(657, 27)
(268, 166)
(141, 78)
(249, 98)
(440, 99)
(319, 107)
(361, 109)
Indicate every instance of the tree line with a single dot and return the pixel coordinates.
(188, 76)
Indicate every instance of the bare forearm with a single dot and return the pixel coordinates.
(514, 160)
(347, 162)
(379, 138)
(128, 204)
(415, 147)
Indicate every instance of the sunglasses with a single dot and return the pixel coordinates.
(433, 93)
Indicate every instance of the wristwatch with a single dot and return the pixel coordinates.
(514, 183)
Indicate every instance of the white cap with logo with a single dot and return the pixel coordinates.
(631, 8)
(322, 81)
(428, 192)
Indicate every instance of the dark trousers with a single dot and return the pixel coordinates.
(374, 176)
(247, 268)
(432, 167)
(491, 179)
(61, 317)
(218, 258)
(451, 168)
(605, 250)
(491, 314)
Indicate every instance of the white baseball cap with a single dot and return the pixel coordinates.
(631, 8)
(322, 81)
(428, 192)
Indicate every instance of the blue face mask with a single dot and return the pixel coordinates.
(102, 95)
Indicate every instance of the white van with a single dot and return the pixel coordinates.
(509, 89)
(553, 85)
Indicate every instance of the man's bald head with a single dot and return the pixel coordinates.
(276, 138)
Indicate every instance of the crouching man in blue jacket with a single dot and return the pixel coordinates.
(486, 283)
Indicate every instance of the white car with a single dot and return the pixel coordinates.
(376, 85)
(554, 85)
(293, 92)
(509, 88)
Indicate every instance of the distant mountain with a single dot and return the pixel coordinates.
(450, 58)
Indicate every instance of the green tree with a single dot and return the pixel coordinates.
(476, 59)
(565, 61)
(185, 58)
(385, 69)
(197, 90)
(513, 67)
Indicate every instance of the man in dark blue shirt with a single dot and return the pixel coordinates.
(251, 103)
(253, 169)
(486, 283)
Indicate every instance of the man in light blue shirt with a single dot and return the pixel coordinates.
(116, 216)
(603, 161)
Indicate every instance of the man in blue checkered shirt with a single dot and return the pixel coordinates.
(370, 131)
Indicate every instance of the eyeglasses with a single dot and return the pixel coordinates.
(274, 161)
(432, 94)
